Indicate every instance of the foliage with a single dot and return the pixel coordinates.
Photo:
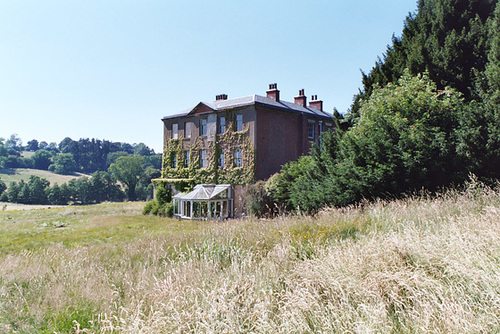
(446, 38)
(162, 205)
(258, 202)
(163, 194)
(406, 137)
(13, 161)
(31, 192)
(128, 170)
(42, 159)
(97, 155)
(279, 185)
(99, 188)
(155, 208)
(64, 163)
(3, 187)
(32, 145)
(176, 167)
(14, 145)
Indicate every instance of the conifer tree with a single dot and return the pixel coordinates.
(446, 38)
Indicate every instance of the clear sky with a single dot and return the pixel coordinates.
(111, 69)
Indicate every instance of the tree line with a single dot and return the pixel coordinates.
(427, 117)
(119, 171)
(85, 155)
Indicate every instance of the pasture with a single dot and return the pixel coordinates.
(420, 264)
(8, 175)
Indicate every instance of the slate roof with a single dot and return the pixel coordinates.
(253, 100)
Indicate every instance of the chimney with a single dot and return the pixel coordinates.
(221, 97)
(315, 103)
(273, 92)
(301, 99)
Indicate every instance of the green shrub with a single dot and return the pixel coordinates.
(258, 203)
(163, 194)
(169, 209)
(155, 208)
(150, 207)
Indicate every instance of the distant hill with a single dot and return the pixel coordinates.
(8, 175)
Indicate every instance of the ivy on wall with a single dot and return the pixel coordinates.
(189, 174)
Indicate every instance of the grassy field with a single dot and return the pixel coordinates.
(8, 175)
(420, 265)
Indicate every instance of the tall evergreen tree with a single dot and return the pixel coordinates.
(446, 38)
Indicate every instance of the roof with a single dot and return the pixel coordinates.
(203, 192)
(253, 100)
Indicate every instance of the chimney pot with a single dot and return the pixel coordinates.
(301, 99)
(315, 103)
(273, 92)
(221, 97)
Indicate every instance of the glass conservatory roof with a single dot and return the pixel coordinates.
(203, 192)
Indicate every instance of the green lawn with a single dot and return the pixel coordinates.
(82, 225)
(8, 175)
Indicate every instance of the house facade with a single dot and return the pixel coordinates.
(240, 140)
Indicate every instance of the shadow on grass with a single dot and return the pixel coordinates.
(7, 171)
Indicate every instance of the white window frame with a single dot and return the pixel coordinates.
(175, 131)
(187, 130)
(239, 122)
(311, 126)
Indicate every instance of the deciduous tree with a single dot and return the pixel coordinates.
(128, 170)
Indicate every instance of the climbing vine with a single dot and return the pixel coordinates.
(185, 174)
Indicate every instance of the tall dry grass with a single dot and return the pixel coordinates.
(417, 265)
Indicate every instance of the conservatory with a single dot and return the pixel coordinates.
(205, 201)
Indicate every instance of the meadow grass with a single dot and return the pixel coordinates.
(8, 175)
(417, 265)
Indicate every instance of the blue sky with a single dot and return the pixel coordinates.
(112, 69)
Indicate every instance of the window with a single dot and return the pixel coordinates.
(174, 163)
(239, 122)
(175, 131)
(238, 161)
(203, 127)
(222, 124)
(221, 159)
(203, 158)
(187, 130)
(310, 130)
(186, 158)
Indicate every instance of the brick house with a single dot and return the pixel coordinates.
(240, 140)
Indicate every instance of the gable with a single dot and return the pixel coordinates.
(201, 108)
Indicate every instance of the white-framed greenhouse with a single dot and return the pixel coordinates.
(205, 201)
